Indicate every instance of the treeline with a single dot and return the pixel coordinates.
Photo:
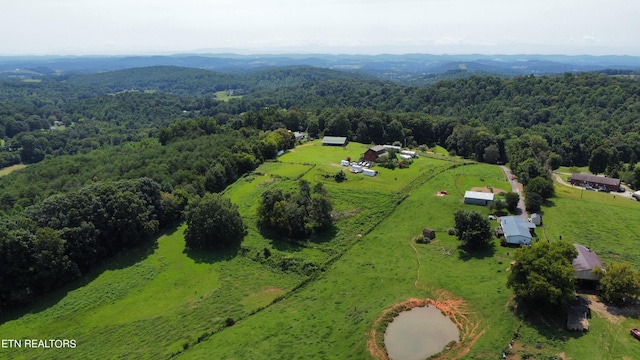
(64, 215)
(58, 240)
(198, 156)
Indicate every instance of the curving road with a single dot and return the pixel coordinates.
(516, 187)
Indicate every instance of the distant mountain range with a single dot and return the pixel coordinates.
(391, 67)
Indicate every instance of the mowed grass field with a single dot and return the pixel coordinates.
(9, 169)
(161, 301)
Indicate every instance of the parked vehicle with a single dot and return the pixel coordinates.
(636, 333)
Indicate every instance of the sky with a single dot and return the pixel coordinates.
(143, 27)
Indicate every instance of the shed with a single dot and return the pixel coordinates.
(299, 135)
(585, 262)
(334, 141)
(428, 234)
(536, 219)
(477, 198)
(516, 230)
(374, 153)
(597, 182)
(369, 172)
(413, 154)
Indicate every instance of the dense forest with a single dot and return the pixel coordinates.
(147, 140)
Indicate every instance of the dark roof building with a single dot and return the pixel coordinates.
(374, 153)
(334, 141)
(585, 262)
(428, 234)
(596, 182)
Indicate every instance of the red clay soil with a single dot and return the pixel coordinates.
(455, 309)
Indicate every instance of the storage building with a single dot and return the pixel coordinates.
(477, 198)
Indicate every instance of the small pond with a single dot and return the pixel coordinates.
(419, 333)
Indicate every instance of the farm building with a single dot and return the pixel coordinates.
(536, 219)
(597, 182)
(428, 234)
(516, 230)
(374, 153)
(413, 154)
(369, 172)
(478, 198)
(585, 262)
(334, 141)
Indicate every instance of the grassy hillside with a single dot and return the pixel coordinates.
(320, 298)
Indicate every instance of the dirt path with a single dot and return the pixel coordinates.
(516, 187)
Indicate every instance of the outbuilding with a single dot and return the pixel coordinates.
(334, 141)
(585, 262)
(369, 172)
(374, 153)
(516, 230)
(428, 234)
(536, 219)
(478, 198)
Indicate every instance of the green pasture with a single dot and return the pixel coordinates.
(147, 303)
(330, 317)
(161, 301)
(222, 96)
(9, 169)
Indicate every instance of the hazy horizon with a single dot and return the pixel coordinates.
(366, 27)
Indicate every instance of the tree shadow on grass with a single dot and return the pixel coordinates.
(126, 258)
(467, 254)
(551, 326)
(286, 244)
(214, 255)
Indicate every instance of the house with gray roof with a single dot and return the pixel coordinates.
(516, 230)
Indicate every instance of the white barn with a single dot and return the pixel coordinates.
(478, 198)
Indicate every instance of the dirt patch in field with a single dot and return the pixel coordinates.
(454, 308)
(488, 189)
(613, 314)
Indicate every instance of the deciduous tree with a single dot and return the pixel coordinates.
(213, 222)
(472, 229)
(543, 276)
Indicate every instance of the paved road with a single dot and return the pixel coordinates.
(515, 187)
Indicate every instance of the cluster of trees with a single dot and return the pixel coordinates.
(537, 192)
(472, 229)
(296, 214)
(213, 223)
(191, 160)
(57, 240)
